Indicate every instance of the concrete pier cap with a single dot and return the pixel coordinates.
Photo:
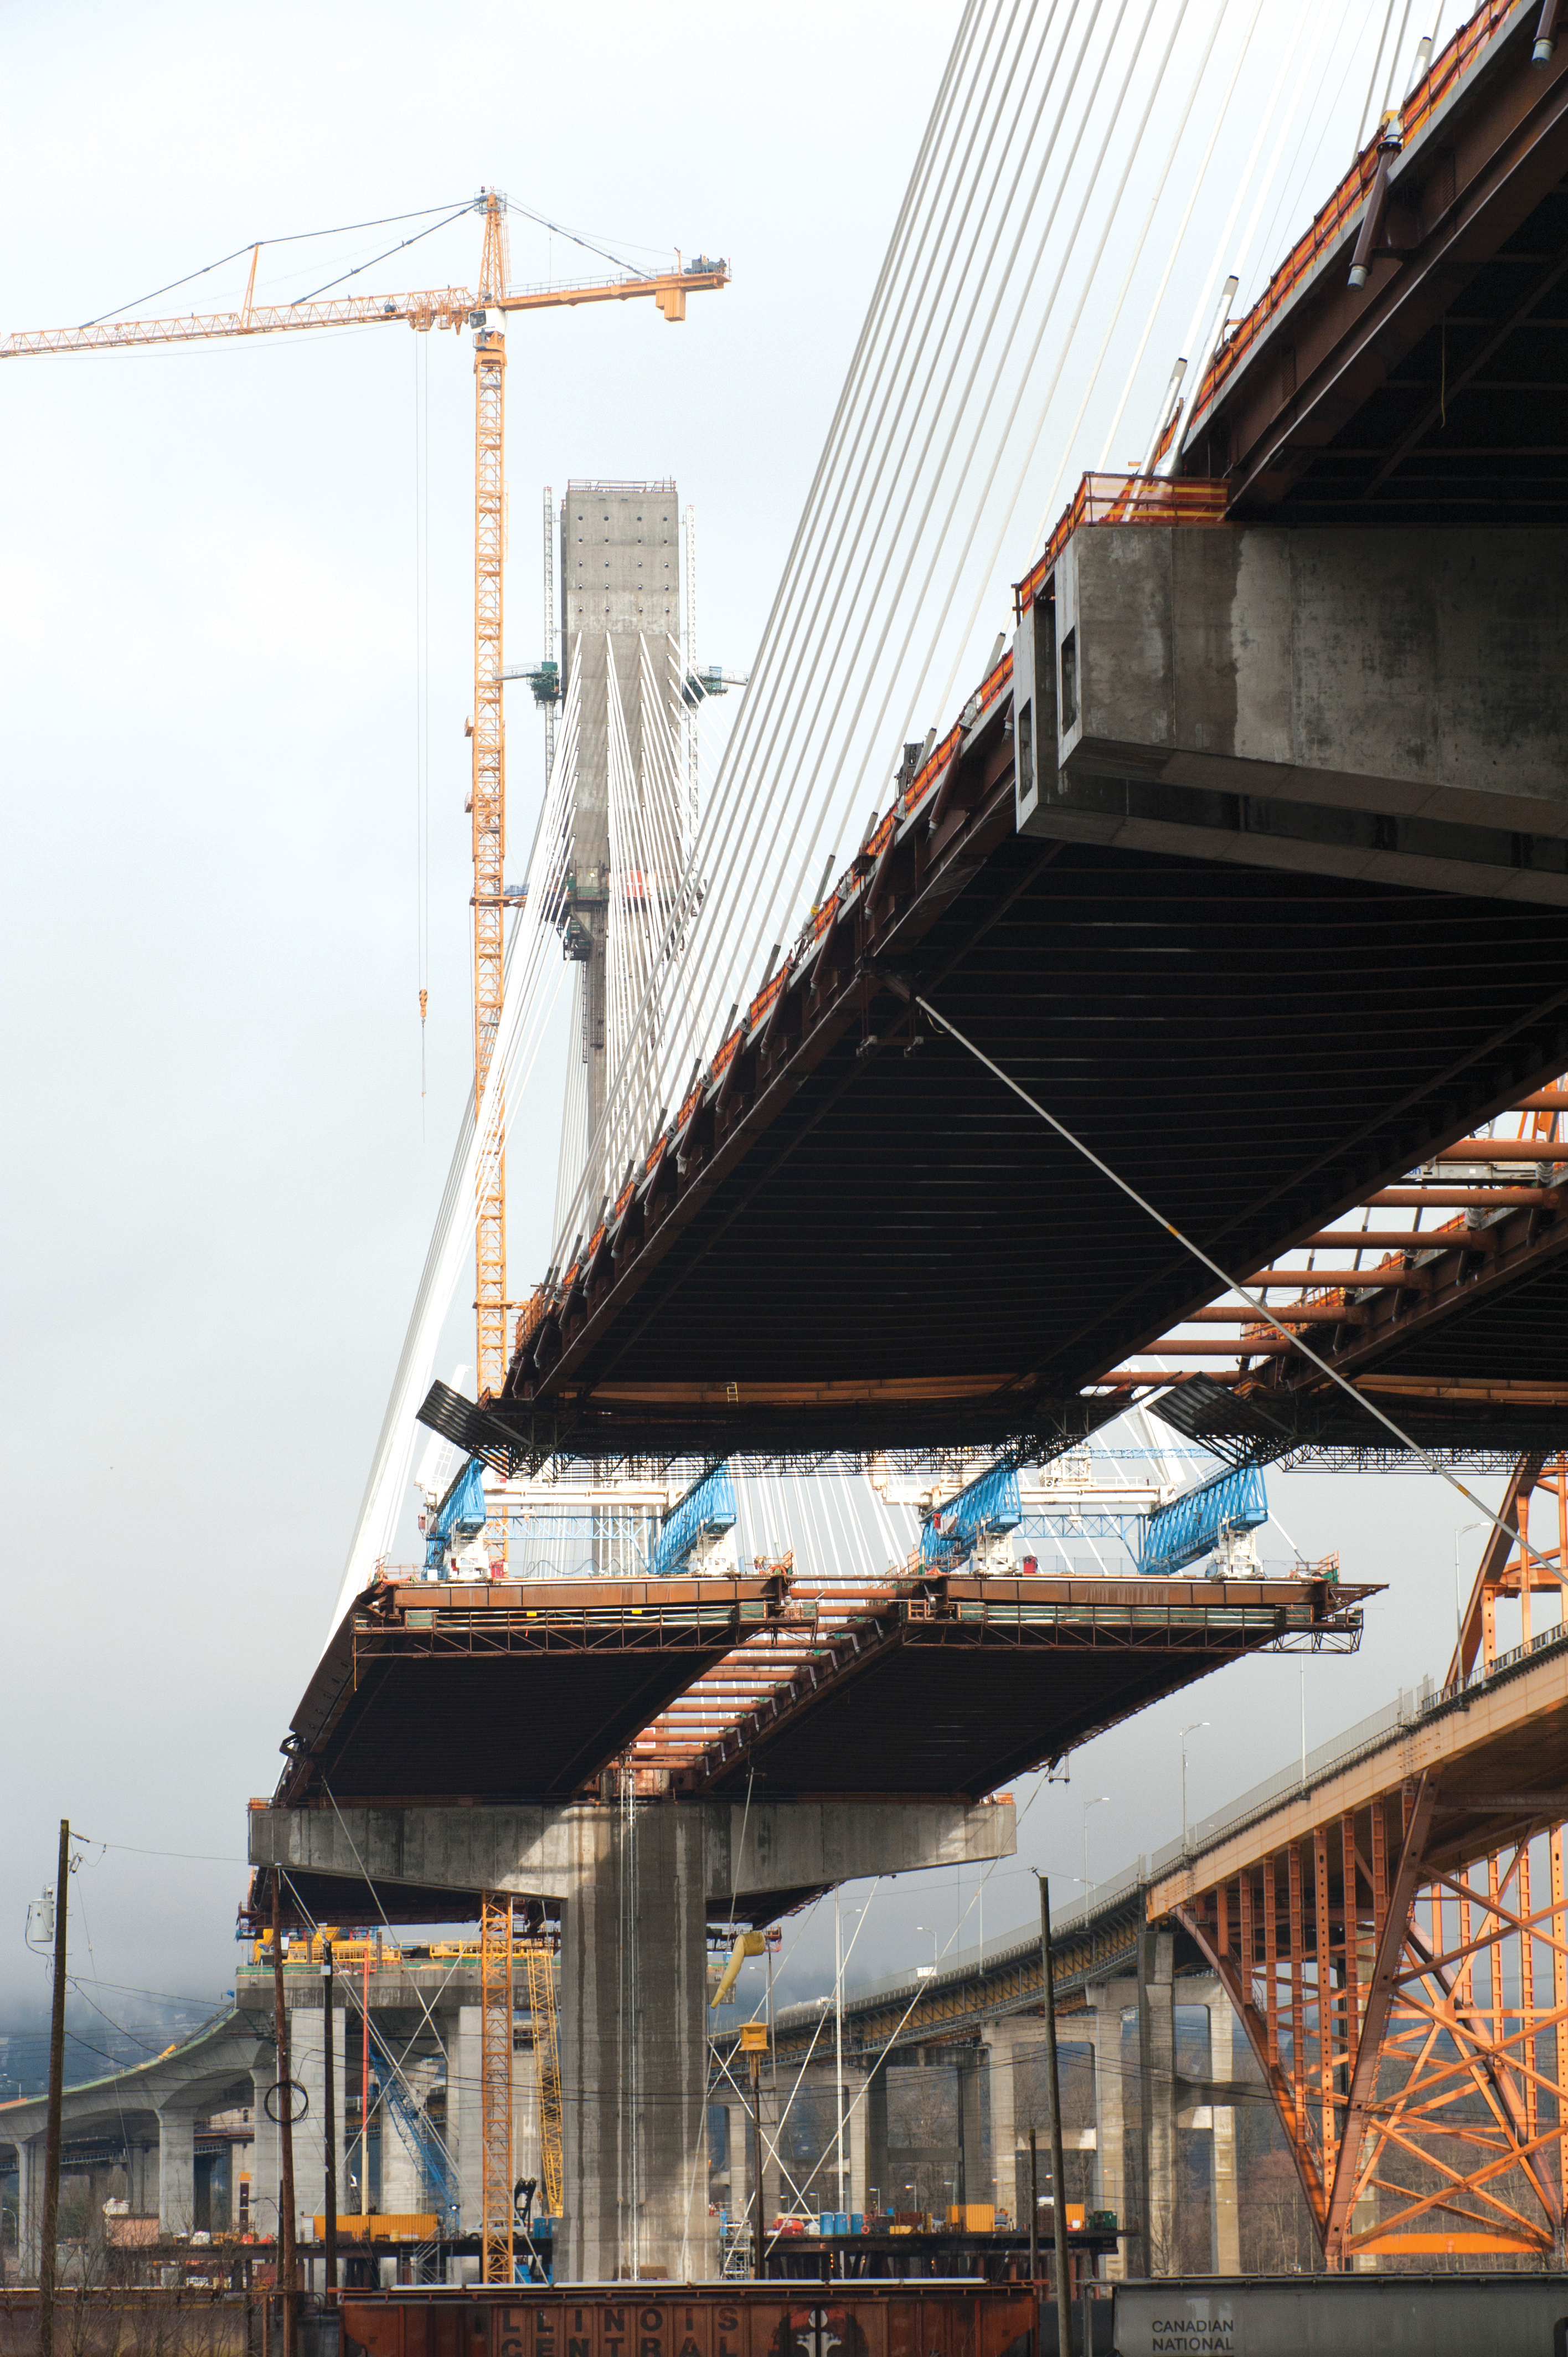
(636, 1891)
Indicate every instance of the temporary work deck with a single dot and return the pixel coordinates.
(952, 1683)
(921, 1686)
(437, 1691)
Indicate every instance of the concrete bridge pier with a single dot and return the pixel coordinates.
(878, 2161)
(1157, 2108)
(1008, 2045)
(634, 2051)
(29, 2204)
(176, 2168)
(1108, 2002)
(636, 1888)
(1227, 2230)
(264, 2158)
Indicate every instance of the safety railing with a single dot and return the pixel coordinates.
(1121, 499)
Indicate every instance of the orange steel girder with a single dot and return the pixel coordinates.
(1401, 2010)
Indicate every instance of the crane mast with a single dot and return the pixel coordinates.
(489, 803)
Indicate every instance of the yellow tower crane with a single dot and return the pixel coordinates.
(483, 311)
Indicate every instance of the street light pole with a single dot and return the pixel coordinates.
(1193, 1729)
(1458, 1613)
(1059, 2253)
(1099, 1800)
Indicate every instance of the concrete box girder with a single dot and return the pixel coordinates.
(1321, 676)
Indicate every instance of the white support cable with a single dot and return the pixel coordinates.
(1286, 173)
(732, 839)
(1179, 240)
(1046, 324)
(988, 348)
(1134, 148)
(780, 927)
(525, 1013)
(1366, 117)
(907, 467)
(1026, 464)
(1222, 255)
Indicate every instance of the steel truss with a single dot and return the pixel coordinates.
(1409, 2009)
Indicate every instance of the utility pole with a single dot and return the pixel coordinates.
(328, 2072)
(1058, 2169)
(753, 2037)
(285, 2136)
(57, 2095)
(1034, 2209)
(838, 2042)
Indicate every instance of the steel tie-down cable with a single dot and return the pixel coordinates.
(1252, 1301)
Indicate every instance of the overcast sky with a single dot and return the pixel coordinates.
(221, 1174)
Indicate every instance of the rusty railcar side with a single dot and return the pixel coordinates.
(890, 2319)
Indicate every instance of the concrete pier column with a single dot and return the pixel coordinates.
(1222, 2069)
(265, 2162)
(771, 2101)
(1008, 2046)
(176, 2169)
(307, 2062)
(634, 2050)
(974, 2177)
(1156, 2058)
(736, 2172)
(854, 2142)
(403, 2187)
(464, 2140)
(1107, 2005)
(29, 2204)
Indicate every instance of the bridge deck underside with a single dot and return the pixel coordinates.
(889, 1248)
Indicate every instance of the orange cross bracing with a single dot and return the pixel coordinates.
(1483, 1173)
(1394, 1942)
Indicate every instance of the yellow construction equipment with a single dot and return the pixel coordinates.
(495, 2090)
(547, 2069)
(748, 1944)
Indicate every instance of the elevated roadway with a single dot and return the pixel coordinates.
(1248, 861)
